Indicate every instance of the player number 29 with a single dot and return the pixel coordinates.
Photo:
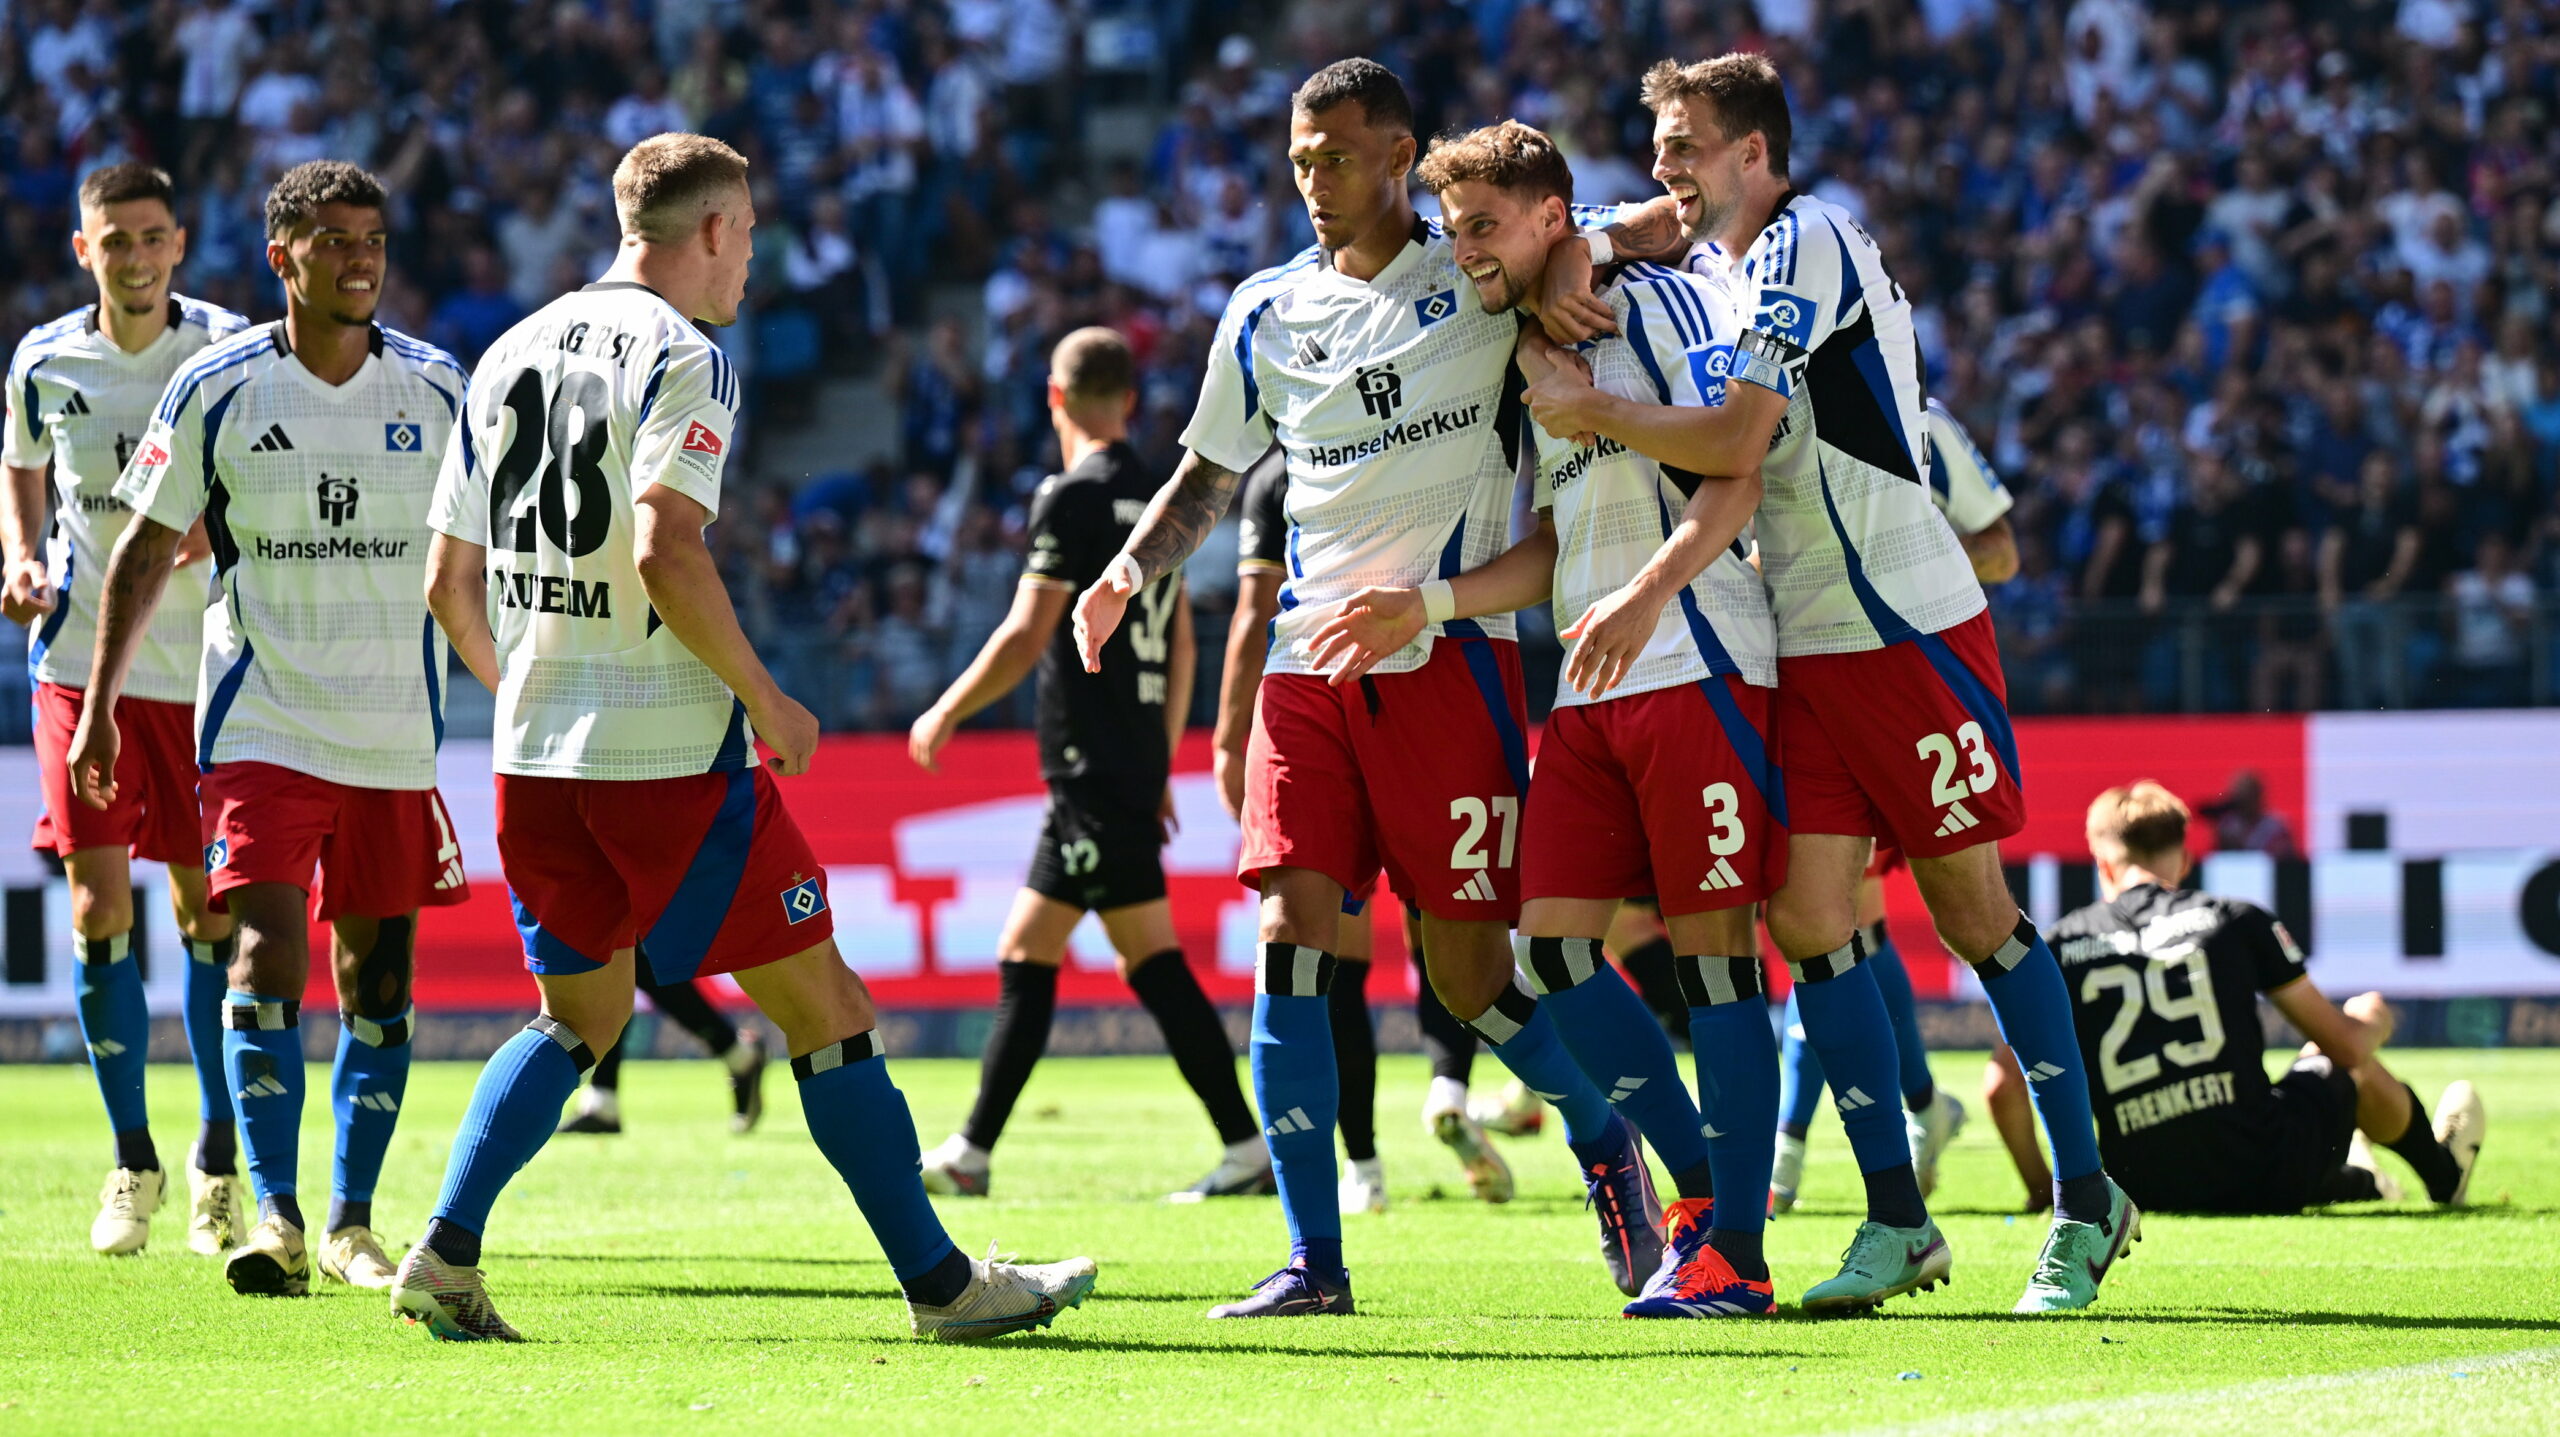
(1478, 814)
(2120, 1072)
(1949, 786)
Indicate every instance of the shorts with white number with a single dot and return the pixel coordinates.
(1420, 773)
(1909, 744)
(1097, 849)
(1673, 793)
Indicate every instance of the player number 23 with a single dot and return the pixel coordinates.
(1479, 814)
(2152, 982)
(1949, 786)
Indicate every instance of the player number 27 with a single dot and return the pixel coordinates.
(1949, 786)
(1478, 814)
(2152, 982)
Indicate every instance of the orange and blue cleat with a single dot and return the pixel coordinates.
(1695, 1280)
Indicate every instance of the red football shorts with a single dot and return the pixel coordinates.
(378, 852)
(707, 871)
(1909, 744)
(1672, 793)
(1420, 773)
(154, 814)
(1884, 860)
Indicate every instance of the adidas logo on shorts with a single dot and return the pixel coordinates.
(1478, 889)
(1959, 818)
(1720, 877)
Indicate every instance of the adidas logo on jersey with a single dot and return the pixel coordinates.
(274, 441)
(1720, 878)
(1310, 351)
(1478, 889)
(1854, 1099)
(1293, 1121)
(2042, 1071)
(76, 405)
(1959, 818)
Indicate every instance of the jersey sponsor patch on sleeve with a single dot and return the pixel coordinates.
(699, 439)
(1787, 316)
(1710, 365)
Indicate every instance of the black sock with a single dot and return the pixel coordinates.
(345, 1212)
(684, 1003)
(218, 1147)
(2082, 1199)
(1742, 1249)
(1028, 1000)
(1919, 1102)
(1355, 1058)
(1794, 1130)
(2346, 1185)
(1197, 1039)
(134, 1150)
(453, 1242)
(2419, 1148)
(608, 1069)
(1695, 1181)
(1450, 1044)
(1649, 968)
(939, 1284)
(1893, 1197)
(283, 1205)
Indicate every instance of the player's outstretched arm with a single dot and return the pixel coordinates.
(682, 583)
(1181, 671)
(1006, 658)
(1611, 634)
(136, 573)
(2341, 1038)
(1727, 438)
(26, 590)
(458, 595)
(1567, 308)
(1177, 519)
(1374, 623)
(1248, 642)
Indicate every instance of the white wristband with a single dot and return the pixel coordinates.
(1439, 601)
(1602, 251)
(1125, 567)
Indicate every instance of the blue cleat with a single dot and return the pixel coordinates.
(1620, 1188)
(1291, 1292)
(1695, 1280)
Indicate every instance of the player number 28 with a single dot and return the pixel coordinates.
(2152, 982)
(1949, 786)
(569, 427)
(1478, 814)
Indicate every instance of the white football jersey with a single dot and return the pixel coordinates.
(79, 402)
(573, 414)
(319, 653)
(1613, 506)
(1854, 555)
(1967, 489)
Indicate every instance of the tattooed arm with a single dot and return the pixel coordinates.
(1177, 519)
(136, 573)
(1567, 308)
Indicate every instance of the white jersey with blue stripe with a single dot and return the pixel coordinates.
(574, 413)
(1967, 489)
(319, 653)
(1613, 507)
(1853, 551)
(80, 403)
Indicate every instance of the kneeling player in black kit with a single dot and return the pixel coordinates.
(2164, 986)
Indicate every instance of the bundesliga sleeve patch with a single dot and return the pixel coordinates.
(701, 440)
(803, 901)
(150, 455)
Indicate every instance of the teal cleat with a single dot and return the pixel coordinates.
(1883, 1262)
(2077, 1256)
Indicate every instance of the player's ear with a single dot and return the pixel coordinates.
(1057, 396)
(279, 258)
(1129, 402)
(177, 246)
(80, 246)
(1401, 159)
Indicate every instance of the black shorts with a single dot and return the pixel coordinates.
(2281, 1158)
(2315, 1104)
(1097, 852)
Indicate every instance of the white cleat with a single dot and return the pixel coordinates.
(452, 1301)
(2360, 1157)
(213, 1210)
(1244, 1171)
(354, 1256)
(272, 1261)
(2461, 1122)
(1488, 1176)
(125, 1206)
(1786, 1174)
(1364, 1187)
(1515, 1112)
(1005, 1297)
(956, 1168)
(1930, 1130)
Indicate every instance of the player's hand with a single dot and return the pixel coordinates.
(2370, 1010)
(926, 736)
(1369, 627)
(1099, 608)
(789, 729)
(1608, 639)
(1567, 308)
(1228, 765)
(1538, 357)
(1168, 823)
(26, 593)
(194, 546)
(94, 745)
(1564, 403)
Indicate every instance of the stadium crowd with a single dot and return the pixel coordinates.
(2252, 304)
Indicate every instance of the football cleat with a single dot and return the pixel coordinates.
(1245, 1171)
(1786, 1174)
(1881, 1263)
(213, 1210)
(354, 1256)
(2360, 1157)
(272, 1261)
(1004, 1297)
(1488, 1176)
(452, 1301)
(2077, 1256)
(1695, 1280)
(1515, 1112)
(1930, 1130)
(125, 1206)
(1292, 1292)
(746, 1082)
(1364, 1187)
(956, 1168)
(589, 1122)
(1619, 1187)
(2460, 1124)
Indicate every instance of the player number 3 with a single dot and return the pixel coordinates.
(1949, 786)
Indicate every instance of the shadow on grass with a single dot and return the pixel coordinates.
(1056, 1342)
(734, 1289)
(2242, 1316)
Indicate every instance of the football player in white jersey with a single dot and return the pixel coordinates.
(81, 390)
(1890, 691)
(1655, 773)
(1373, 361)
(309, 448)
(631, 803)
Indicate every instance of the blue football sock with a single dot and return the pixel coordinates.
(860, 1122)
(365, 1089)
(1618, 1043)
(208, 976)
(1300, 1097)
(1844, 1019)
(262, 1061)
(513, 1109)
(116, 1024)
(1520, 1032)
(1737, 1057)
(2034, 1009)
(1894, 982)
(1800, 1077)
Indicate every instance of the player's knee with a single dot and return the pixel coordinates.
(1803, 925)
(378, 988)
(96, 914)
(271, 959)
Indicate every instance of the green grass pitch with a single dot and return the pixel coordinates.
(678, 1279)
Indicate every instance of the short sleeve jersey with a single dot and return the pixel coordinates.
(1967, 489)
(573, 414)
(1262, 515)
(319, 653)
(78, 402)
(2164, 992)
(1853, 556)
(1106, 727)
(1613, 507)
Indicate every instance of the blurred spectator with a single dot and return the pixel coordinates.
(2242, 822)
(2490, 615)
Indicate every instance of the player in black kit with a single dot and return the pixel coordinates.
(1106, 750)
(2164, 987)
